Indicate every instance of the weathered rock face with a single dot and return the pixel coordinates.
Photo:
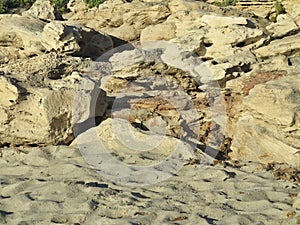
(77, 41)
(43, 9)
(242, 53)
(23, 36)
(37, 99)
(285, 46)
(34, 115)
(284, 25)
(268, 129)
(130, 145)
(117, 18)
(29, 36)
(76, 5)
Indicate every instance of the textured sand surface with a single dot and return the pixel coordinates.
(53, 185)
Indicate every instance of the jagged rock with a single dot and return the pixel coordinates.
(37, 116)
(76, 5)
(30, 36)
(79, 41)
(118, 19)
(43, 9)
(9, 92)
(292, 7)
(284, 46)
(283, 26)
(268, 130)
(225, 42)
(23, 35)
(89, 101)
(38, 104)
(260, 8)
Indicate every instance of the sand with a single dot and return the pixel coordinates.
(54, 185)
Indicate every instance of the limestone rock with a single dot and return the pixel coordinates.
(292, 7)
(260, 8)
(117, 18)
(76, 5)
(29, 36)
(9, 92)
(80, 41)
(163, 31)
(131, 145)
(268, 130)
(283, 26)
(23, 35)
(43, 9)
(39, 109)
(296, 203)
(220, 21)
(284, 46)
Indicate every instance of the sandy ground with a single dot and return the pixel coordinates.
(54, 185)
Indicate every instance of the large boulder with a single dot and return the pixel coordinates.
(21, 33)
(268, 130)
(38, 97)
(28, 36)
(121, 19)
(285, 46)
(43, 9)
(75, 40)
(284, 25)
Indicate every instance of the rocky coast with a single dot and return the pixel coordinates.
(150, 112)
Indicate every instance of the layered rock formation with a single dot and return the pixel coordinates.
(240, 52)
(198, 92)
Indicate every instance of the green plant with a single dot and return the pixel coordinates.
(5, 5)
(224, 3)
(279, 8)
(93, 3)
(61, 5)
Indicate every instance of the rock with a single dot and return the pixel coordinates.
(78, 41)
(117, 18)
(39, 116)
(24, 35)
(9, 92)
(89, 101)
(225, 42)
(293, 9)
(30, 36)
(283, 26)
(153, 84)
(221, 21)
(163, 31)
(284, 46)
(136, 155)
(39, 104)
(260, 8)
(43, 9)
(296, 203)
(76, 5)
(268, 130)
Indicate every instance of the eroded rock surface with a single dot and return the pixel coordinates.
(43, 9)
(242, 53)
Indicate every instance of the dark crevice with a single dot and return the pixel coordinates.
(207, 44)
(250, 24)
(5, 213)
(246, 42)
